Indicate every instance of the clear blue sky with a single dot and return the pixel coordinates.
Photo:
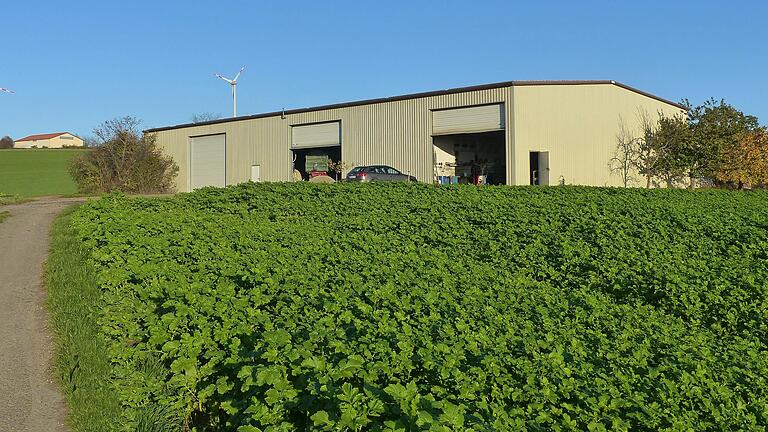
(74, 64)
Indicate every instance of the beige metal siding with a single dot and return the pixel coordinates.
(484, 118)
(316, 135)
(208, 161)
(266, 143)
(396, 133)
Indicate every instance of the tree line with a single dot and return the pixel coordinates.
(711, 144)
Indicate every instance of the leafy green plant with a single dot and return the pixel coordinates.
(398, 307)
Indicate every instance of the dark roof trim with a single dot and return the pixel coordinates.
(416, 96)
(650, 95)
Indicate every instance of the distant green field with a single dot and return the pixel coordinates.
(36, 172)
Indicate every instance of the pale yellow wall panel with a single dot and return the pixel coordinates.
(577, 125)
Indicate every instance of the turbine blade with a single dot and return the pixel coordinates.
(6, 90)
(224, 78)
(238, 74)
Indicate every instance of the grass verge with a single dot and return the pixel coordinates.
(4, 215)
(11, 199)
(82, 363)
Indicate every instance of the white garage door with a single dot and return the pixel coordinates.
(483, 118)
(208, 161)
(316, 135)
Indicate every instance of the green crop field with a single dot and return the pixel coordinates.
(397, 307)
(36, 172)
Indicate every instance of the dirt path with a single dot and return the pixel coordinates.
(29, 399)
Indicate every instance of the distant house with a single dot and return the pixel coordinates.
(51, 140)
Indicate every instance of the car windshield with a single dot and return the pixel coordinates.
(356, 170)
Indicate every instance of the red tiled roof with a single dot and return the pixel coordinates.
(40, 136)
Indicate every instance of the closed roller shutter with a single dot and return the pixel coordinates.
(316, 135)
(484, 118)
(208, 161)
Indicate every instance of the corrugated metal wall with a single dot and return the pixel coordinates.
(396, 133)
(577, 124)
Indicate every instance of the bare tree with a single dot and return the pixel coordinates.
(124, 160)
(648, 146)
(205, 117)
(626, 156)
(339, 167)
(90, 141)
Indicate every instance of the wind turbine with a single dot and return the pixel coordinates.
(233, 83)
(6, 90)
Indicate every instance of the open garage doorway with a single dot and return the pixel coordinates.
(475, 158)
(308, 162)
(469, 145)
(313, 146)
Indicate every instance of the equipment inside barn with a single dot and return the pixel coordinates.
(477, 158)
(313, 162)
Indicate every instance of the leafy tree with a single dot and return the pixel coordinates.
(125, 160)
(670, 142)
(714, 126)
(6, 142)
(626, 157)
(745, 161)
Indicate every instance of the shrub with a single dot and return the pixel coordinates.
(6, 142)
(126, 161)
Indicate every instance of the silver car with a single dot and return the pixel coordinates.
(377, 173)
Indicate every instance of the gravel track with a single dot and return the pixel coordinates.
(29, 398)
